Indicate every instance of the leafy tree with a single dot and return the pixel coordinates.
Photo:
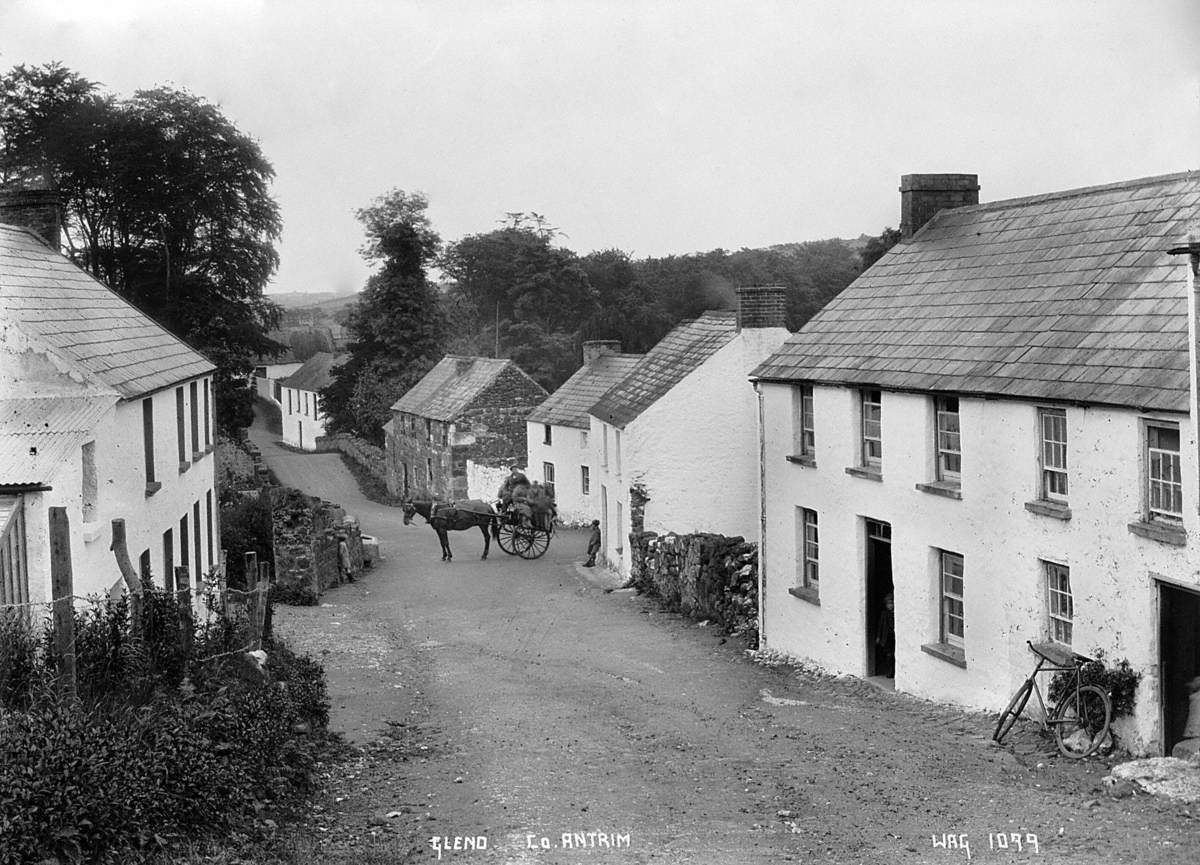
(516, 293)
(626, 309)
(165, 200)
(877, 246)
(397, 327)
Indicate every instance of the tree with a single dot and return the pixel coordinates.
(516, 292)
(397, 327)
(876, 247)
(165, 200)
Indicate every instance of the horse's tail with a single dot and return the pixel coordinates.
(495, 528)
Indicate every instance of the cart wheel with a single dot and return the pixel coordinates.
(506, 538)
(537, 541)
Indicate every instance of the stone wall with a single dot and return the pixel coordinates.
(306, 532)
(703, 576)
(372, 458)
(489, 432)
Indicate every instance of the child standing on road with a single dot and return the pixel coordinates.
(593, 544)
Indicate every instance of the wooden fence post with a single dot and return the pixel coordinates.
(264, 582)
(63, 590)
(132, 583)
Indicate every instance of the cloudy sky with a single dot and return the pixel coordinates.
(652, 126)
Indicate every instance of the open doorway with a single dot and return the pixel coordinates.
(880, 658)
(1179, 656)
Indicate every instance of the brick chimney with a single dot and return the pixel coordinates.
(761, 306)
(923, 195)
(36, 209)
(594, 348)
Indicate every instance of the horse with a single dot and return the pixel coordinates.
(455, 517)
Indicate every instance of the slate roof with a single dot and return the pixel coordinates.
(313, 373)
(448, 389)
(86, 324)
(1069, 296)
(568, 406)
(39, 435)
(664, 366)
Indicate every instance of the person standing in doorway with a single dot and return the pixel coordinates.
(885, 637)
(593, 544)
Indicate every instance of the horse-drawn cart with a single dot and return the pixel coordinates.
(525, 531)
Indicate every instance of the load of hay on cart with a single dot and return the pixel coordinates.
(526, 521)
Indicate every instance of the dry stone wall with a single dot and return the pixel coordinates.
(703, 576)
(306, 532)
(372, 458)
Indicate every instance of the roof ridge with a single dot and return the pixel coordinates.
(1005, 203)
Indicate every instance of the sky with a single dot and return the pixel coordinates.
(653, 127)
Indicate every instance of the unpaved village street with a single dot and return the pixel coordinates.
(520, 705)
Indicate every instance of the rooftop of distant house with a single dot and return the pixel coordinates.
(447, 390)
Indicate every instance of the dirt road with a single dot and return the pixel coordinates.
(517, 709)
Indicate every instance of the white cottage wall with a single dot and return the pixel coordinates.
(1003, 544)
(302, 422)
(568, 451)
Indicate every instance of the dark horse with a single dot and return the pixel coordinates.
(453, 518)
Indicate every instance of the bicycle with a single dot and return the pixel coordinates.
(1083, 707)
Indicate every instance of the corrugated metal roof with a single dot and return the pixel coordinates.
(664, 366)
(449, 388)
(85, 323)
(39, 435)
(1066, 296)
(568, 406)
(314, 372)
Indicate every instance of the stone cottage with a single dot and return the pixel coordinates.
(103, 414)
(675, 442)
(996, 423)
(558, 431)
(454, 434)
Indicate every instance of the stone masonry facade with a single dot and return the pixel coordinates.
(428, 457)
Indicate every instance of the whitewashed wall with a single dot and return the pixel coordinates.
(1112, 571)
(569, 450)
(301, 425)
(484, 481)
(122, 493)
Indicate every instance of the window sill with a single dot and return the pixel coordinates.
(184, 466)
(802, 460)
(152, 487)
(197, 456)
(1055, 510)
(948, 489)
(870, 474)
(950, 654)
(1165, 533)
(208, 449)
(806, 593)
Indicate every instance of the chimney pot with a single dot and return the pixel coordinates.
(595, 348)
(761, 306)
(923, 195)
(39, 210)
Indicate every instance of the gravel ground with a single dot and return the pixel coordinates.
(506, 702)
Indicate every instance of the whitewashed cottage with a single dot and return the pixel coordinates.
(675, 441)
(103, 414)
(300, 409)
(560, 454)
(997, 423)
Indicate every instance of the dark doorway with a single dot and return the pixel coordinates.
(880, 658)
(1179, 656)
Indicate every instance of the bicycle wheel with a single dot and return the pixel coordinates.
(1015, 707)
(1081, 721)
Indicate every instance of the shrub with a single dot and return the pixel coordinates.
(246, 526)
(1118, 679)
